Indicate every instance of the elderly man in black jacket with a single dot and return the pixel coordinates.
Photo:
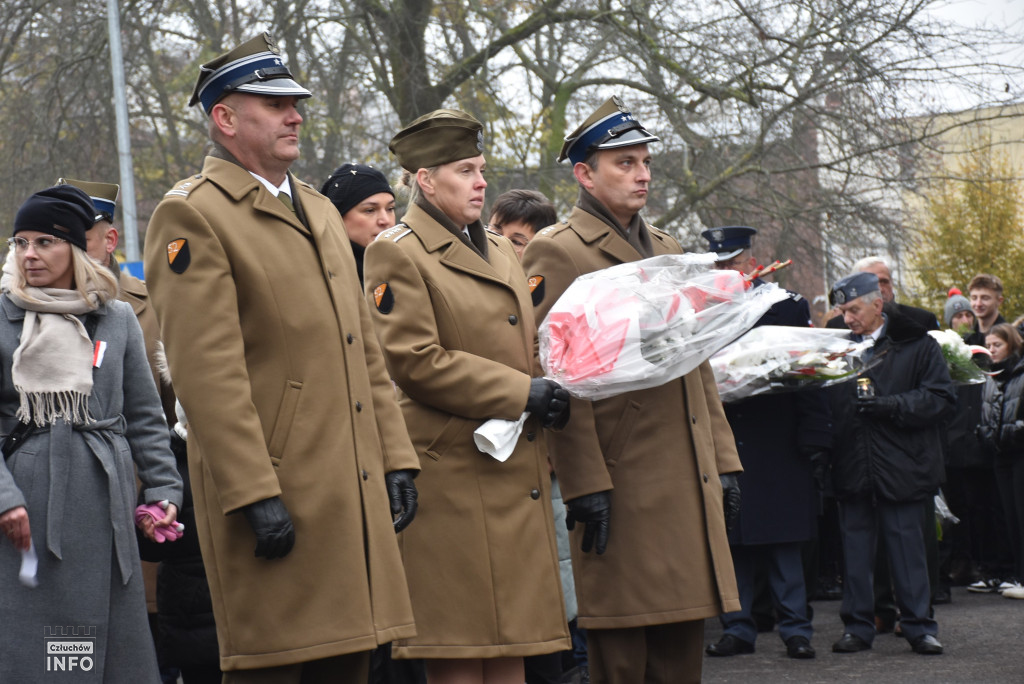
(887, 461)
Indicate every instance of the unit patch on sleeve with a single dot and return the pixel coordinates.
(178, 257)
(536, 284)
(383, 298)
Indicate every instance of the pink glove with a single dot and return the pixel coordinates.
(162, 534)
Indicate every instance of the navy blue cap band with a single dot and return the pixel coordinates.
(103, 206)
(264, 66)
(601, 132)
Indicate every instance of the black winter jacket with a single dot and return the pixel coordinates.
(1002, 429)
(899, 457)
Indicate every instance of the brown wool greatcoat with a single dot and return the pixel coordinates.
(274, 359)
(133, 291)
(459, 343)
(660, 450)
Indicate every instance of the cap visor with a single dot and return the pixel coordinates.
(280, 87)
(725, 256)
(637, 136)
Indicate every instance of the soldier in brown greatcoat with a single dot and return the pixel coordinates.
(644, 471)
(452, 309)
(296, 444)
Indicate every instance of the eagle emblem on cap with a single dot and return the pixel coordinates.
(480, 141)
(271, 45)
(617, 101)
(717, 235)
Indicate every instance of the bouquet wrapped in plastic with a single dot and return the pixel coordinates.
(640, 324)
(777, 358)
(959, 357)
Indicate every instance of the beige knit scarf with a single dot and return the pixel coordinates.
(52, 366)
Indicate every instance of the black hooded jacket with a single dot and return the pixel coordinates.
(897, 457)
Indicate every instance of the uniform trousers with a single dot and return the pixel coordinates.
(658, 654)
(351, 668)
(864, 524)
(784, 564)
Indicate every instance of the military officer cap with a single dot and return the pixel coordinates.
(728, 241)
(253, 67)
(103, 196)
(852, 286)
(609, 127)
(440, 137)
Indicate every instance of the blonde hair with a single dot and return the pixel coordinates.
(89, 276)
(408, 180)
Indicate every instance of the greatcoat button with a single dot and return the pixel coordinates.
(359, 406)
(350, 338)
(513, 319)
(530, 436)
(705, 478)
(534, 494)
(693, 419)
(366, 475)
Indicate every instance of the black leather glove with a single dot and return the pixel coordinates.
(878, 407)
(403, 495)
(595, 511)
(269, 520)
(819, 467)
(730, 498)
(549, 402)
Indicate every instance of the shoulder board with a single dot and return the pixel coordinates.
(553, 229)
(396, 233)
(796, 296)
(183, 188)
(657, 232)
(303, 183)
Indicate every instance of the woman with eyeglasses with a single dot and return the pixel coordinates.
(81, 417)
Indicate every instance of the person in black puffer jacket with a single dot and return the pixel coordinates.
(187, 634)
(1002, 428)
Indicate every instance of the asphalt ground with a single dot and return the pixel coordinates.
(983, 637)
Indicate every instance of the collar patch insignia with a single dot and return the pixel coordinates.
(178, 256)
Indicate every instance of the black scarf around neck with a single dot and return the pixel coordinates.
(635, 233)
(477, 238)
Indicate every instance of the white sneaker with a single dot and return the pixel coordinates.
(988, 586)
(1007, 585)
(1016, 592)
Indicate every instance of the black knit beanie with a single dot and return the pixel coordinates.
(63, 211)
(351, 183)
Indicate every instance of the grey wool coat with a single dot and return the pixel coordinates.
(81, 502)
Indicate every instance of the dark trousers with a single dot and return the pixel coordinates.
(885, 602)
(973, 497)
(897, 526)
(659, 654)
(353, 668)
(1010, 480)
(784, 565)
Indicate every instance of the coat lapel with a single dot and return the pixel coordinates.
(237, 183)
(593, 229)
(455, 254)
